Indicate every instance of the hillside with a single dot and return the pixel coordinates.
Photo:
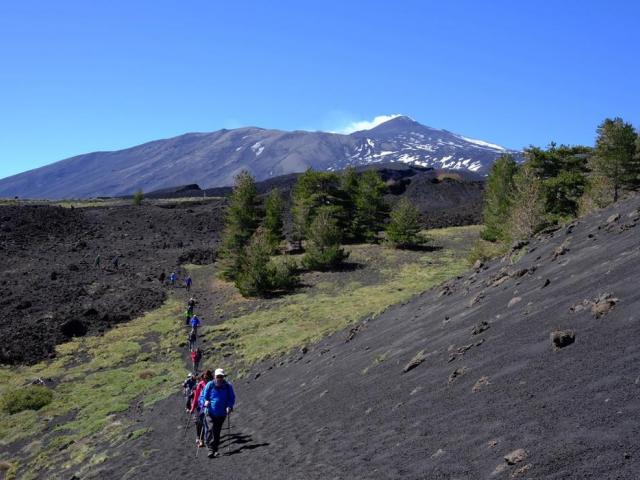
(214, 159)
(455, 381)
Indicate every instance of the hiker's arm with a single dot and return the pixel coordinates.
(232, 399)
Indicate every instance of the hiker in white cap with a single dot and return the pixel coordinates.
(218, 399)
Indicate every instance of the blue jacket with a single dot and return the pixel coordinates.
(219, 398)
(195, 322)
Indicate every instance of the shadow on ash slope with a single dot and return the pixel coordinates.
(466, 381)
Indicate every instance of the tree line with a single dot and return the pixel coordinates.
(327, 209)
(558, 183)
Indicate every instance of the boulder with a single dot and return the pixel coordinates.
(516, 456)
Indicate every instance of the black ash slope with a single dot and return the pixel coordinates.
(489, 383)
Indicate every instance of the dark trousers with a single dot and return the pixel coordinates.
(213, 428)
(200, 425)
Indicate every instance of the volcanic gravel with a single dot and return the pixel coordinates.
(464, 381)
(51, 289)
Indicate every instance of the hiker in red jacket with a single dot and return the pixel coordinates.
(196, 356)
(197, 408)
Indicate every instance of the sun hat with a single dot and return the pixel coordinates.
(220, 373)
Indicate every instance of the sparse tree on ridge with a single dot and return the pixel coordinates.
(527, 212)
(138, 197)
(497, 198)
(615, 155)
(241, 221)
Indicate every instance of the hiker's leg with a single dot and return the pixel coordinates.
(208, 426)
(217, 425)
(199, 426)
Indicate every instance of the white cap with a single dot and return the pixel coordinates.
(219, 372)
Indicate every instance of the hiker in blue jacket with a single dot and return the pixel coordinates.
(218, 400)
(195, 323)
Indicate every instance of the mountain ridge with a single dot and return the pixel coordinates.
(212, 159)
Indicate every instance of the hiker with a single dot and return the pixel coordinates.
(115, 262)
(172, 279)
(196, 356)
(195, 323)
(191, 340)
(187, 317)
(218, 399)
(188, 282)
(161, 277)
(96, 262)
(198, 408)
(188, 385)
(191, 303)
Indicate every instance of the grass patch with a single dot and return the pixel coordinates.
(309, 315)
(483, 250)
(96, 378)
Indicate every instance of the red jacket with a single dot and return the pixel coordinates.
(196, 394)
(193, 356)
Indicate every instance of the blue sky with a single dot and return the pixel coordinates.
(79, 76)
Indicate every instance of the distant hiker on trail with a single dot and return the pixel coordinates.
(188, 385)
(198, 408)
(196, 356)
(187, 317)
(218, 398)
(195, 323)
(173, 278)
(193, 337)
(161, 277)
(191, 302)
(115, 261)
(188, 282)
(96, 263)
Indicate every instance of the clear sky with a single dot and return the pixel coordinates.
(80, 76)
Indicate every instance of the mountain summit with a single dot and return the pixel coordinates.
(213, 159)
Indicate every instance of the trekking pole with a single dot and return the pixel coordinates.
(229, 432)
(186, 427)
(201, 437)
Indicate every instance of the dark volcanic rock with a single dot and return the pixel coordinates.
(562, 338)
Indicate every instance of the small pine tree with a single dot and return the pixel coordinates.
(138, 197)
(323, 250)
(527, 212)
(370, 208)
(258, 275)
(349, 187)
(241, 221)
(403, 230)
(272, 222)
(615, 155)
(497, 198)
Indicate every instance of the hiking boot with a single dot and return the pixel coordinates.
(213, 454)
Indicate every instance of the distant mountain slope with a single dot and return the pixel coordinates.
(213, 159)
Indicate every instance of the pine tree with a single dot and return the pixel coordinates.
(258, 274)
(315, 190)
(497, 198)
(403, 230)
(370, 208)
(527, 211)
(272, 222)
(614, 155)
(241, 221)
(323, 251)
(349, 187)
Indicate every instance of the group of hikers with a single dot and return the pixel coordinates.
(209, 397)
(172, 279)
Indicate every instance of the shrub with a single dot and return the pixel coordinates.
(497, 198)
(484, 250)
(138, 197)
(598, 194)
(32, 397)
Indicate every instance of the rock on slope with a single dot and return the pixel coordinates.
(214, 159)
(462, 382)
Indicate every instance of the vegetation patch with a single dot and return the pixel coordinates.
(32, 397)
(96, 379)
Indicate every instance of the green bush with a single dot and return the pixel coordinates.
(484, 250)
(26, 398)
(403, 230)
(138, 197)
